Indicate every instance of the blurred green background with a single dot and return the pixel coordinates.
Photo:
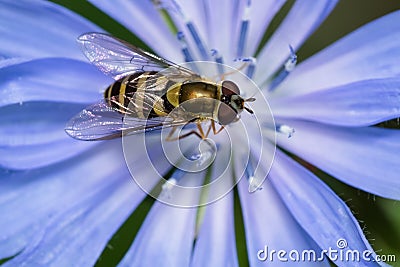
(380, 218)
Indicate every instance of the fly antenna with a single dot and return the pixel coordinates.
(249, 110)
(250, 99)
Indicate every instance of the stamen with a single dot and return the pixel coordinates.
(197, 39)
(251, 65)
(167, 187)
(251, 178)
(218, 59)
(288, 67)
(187, 54)
(185, 49)
(192, 29)
(251, 68)
(285, 129)
(291, 62)
(244, 26)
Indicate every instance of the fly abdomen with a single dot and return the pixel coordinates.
(119, 94)
(135, 93)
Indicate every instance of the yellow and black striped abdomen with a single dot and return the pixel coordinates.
(134, 88)
(125, 86)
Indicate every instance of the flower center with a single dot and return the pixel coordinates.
(194, 48)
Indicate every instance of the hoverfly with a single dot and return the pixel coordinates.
(146, 90)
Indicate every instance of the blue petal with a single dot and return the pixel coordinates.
(85, 227)
(47, 205)
(366, 158)
(35, 123)
(55, 79)
(198, 12)
(261, 13)
(215, 244)
(35, 156)
(370, 52)
(167, 234)
(219, 37)
(5, 62)
(302, 20)
(165, 238)
(321, 213)
(32, 134)
(40, 29)
(268, 223)
(32, 198)
(356, 104)
(143, 19)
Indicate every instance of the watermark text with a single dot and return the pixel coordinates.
(340, 253)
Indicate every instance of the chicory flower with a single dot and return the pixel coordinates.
(62, 200)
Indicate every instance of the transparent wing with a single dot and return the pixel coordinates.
(155, 83)
(101, 122)
(138, 104)
(118, 58)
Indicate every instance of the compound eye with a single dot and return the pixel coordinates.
(226, 114)
(230, 88)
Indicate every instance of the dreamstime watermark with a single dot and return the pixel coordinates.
(340, 253)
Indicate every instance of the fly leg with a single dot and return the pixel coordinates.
(224, 75)
(200, 133)
(212, 126)
(171, 133)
